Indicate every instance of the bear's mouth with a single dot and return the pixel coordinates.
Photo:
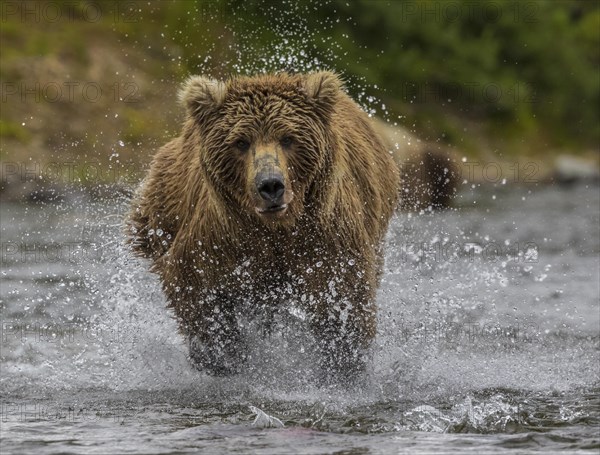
(272, 209)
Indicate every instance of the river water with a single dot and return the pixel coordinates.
(489, 329)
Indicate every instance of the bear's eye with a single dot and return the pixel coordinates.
(242, 145)
(286, 141)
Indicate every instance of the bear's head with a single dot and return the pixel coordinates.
(265, 141)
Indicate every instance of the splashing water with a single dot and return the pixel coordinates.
(468, 342)
(482, 344)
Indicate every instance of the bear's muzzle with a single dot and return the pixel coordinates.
(273, 196)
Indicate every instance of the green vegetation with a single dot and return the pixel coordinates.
(13, 130)
(526, 68)
(492, 76)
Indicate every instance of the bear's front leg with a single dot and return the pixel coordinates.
(344, 332)
(217, 345)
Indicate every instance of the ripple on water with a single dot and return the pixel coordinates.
(474, 352)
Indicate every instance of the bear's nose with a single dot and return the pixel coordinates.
(271, 189)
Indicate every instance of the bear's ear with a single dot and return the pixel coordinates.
(324, 87)
(200, 94)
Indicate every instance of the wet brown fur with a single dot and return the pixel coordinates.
(216, 255)
(429, 171)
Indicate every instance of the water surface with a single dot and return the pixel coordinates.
(489, 326)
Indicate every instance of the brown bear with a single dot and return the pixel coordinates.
(278, 189)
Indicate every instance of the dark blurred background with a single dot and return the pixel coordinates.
(498, 81)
